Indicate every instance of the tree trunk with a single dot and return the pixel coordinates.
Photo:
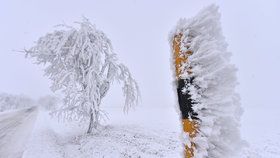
(94, 120)
(91, 122)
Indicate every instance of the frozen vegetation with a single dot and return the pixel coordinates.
(12, 102)
(81, 63)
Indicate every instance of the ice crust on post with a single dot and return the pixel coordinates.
(213, 89)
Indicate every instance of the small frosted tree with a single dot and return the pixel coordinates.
(81, 63)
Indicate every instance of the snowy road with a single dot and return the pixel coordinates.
(15, 129)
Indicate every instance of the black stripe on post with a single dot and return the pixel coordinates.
(184, 98)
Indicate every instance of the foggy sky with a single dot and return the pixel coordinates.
(139, 32)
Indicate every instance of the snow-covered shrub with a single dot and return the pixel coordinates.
(213, 89)
(49, 103)
(12, 102)
(81, 63)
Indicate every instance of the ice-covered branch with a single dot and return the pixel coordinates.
(81, 63)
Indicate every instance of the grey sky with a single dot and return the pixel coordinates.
(139, 30)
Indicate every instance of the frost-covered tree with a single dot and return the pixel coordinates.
(81, 63)
(12, 102)
(216, 105)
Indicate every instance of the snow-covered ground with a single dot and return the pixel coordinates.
(260, 128)
(143, 132)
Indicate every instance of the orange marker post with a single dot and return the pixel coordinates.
(189, 117)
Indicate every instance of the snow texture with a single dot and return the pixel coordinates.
(218, 105)
(123, 137)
